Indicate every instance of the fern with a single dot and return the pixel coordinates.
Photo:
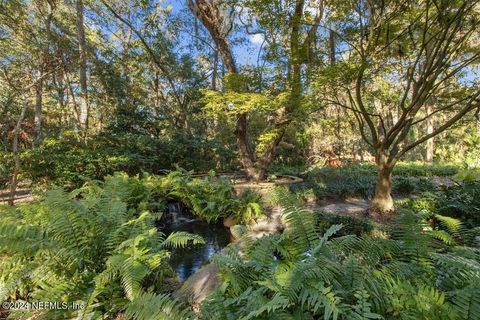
(96, 246)
(467, 302)
(303, 274)
(156, 307)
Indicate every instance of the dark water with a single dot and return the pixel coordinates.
(188, 260)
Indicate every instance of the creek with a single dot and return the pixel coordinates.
(186, 261)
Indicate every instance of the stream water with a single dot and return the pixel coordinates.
(187, 261)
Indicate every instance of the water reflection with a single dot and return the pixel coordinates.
(187, 261)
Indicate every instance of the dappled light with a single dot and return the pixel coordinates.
(234, 160)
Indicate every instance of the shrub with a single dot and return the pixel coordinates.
(421, 169)
(305, 274)
(209, 197)
(403, 185)
(342, 182)
(65, 161)
(460, 201)
(360, 180)
(94, 246)
(280, 168)
(471, 175)
(5, 163)
(351, 225)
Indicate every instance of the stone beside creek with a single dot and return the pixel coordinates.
(197, 287)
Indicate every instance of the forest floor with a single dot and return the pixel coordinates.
(22, 195)
(355, 207)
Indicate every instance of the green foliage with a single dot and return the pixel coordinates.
(5, 163)
(343, 182)
(420, 169)
(232, 103)
(149, 306)
(66, 161)
(95, 246)
(305, 274)
(461, 201)
(293, 170)
(209, 197)
(351, 225)
(360, 180)
(249, 205)
(471, 175)
(356, 226)
(417, 271)
(282, 196)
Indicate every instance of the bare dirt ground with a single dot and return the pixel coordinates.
(22, 195)
(348, 207)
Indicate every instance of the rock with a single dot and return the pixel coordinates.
(230, 221)
(196, 288)
(202, 283)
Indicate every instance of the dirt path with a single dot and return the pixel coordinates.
(347, 207)
(22, 195)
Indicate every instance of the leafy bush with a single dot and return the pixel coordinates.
(351, 225)
(460, 201)
(209, 197)
(304, 274)
(66, 161)
(342, 182)
(5, 163)
(403, 185)
(280, 168)
(360, 180)
(421, 169)
(471, 175)
(95, 246)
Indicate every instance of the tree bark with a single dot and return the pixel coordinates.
(382, 200)
(430, 147)
(44, 62)
(215, 70)
(16, 157)
(331, 46)
(37, 131)
(84, 108)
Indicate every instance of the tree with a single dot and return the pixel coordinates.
(82, 47)
(401, 57)
(292, 40)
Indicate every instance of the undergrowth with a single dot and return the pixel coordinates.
(422, 270)
(96, 247)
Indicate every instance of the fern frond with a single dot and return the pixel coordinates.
(467, 302)
(181, 239)
(275, 303)
(301, 228)
(149, 306)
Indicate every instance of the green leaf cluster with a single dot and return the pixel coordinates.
(415, 272)
(96, 246)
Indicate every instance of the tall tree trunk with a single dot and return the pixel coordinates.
(246, 155)
(84, 108)
(37, 131)
(16, 157)
(215, 70)
(42, 68)
(430, 147)
(382, 200)
(331, 45)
